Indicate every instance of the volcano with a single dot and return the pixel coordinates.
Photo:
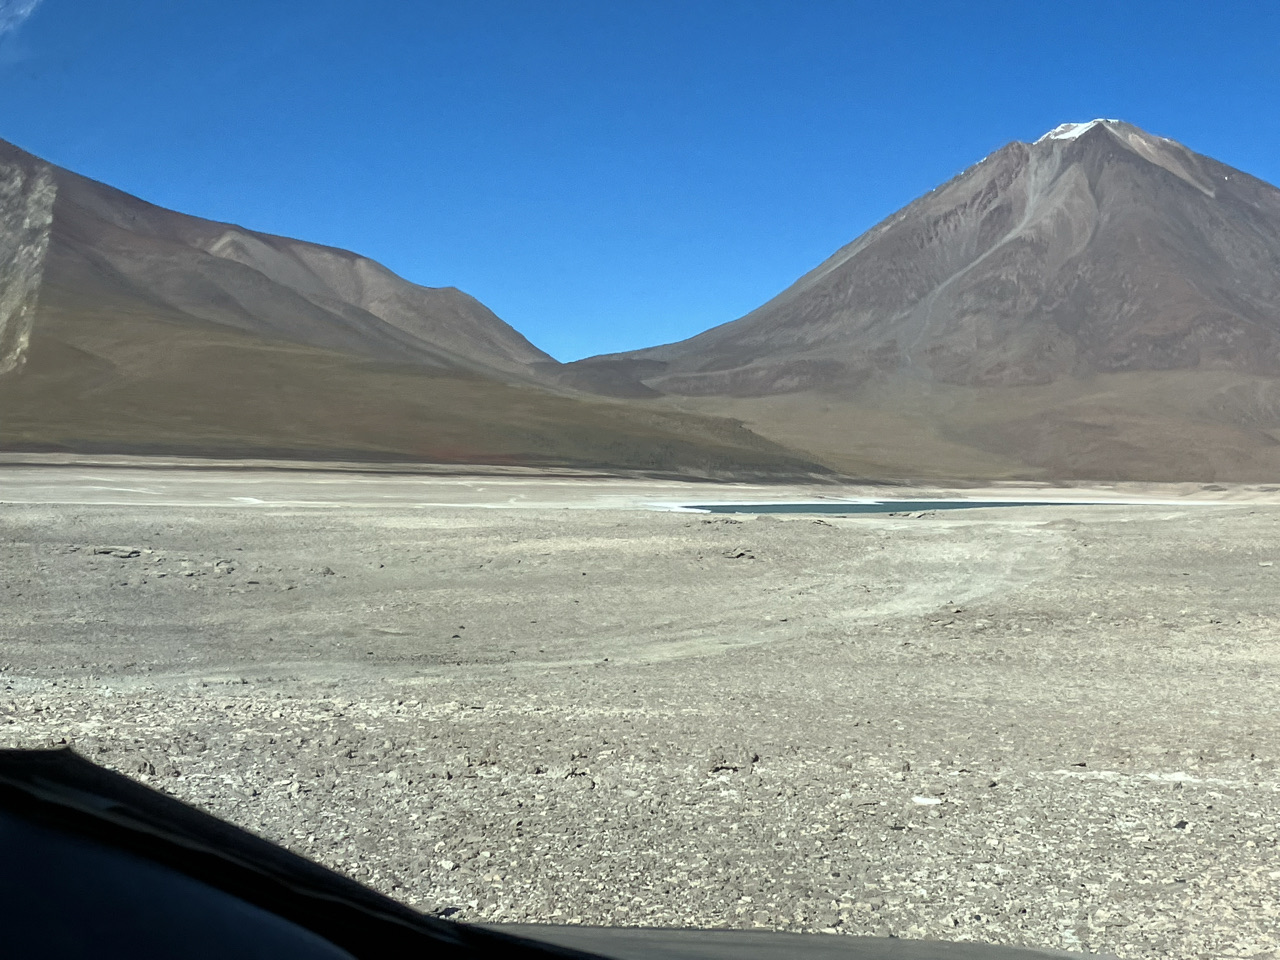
(1101, 303)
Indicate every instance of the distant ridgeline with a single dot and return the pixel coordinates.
(1101, 304)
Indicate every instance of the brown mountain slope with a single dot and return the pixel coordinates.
(126, 327)
(1099, 303)
(105, 240)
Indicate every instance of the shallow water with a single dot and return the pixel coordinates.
(878, 506)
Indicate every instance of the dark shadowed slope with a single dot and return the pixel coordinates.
(127, 327)
(1102, 303)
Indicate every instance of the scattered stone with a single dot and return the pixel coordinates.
(713, 773)
(124, 553)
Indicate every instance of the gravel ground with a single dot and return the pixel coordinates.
(1049, 727)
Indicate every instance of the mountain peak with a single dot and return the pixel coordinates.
(1069, 131)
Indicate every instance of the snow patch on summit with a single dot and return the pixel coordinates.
(1069, 131)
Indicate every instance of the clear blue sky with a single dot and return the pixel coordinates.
(606, 175)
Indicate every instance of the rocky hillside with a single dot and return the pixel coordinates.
(126, 327)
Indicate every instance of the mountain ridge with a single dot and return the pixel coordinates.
(363, 294)
(1100, 303)
(126, 327)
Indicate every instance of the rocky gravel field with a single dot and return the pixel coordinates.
(1050, 726)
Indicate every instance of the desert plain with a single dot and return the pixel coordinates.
(529, 698)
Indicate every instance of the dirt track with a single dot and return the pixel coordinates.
(1053, 726)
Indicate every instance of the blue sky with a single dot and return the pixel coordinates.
(605, 175)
